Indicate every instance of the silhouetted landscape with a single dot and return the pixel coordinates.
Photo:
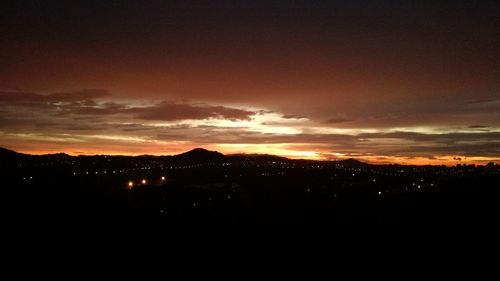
(249, 134)
(240, 203)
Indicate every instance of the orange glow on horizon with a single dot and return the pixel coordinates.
(285, 151)
(291, 80)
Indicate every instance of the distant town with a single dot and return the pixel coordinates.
(145, 171)
(244, 200)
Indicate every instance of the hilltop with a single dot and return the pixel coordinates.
(196, 155)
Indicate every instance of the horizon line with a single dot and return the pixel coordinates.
(386, 163)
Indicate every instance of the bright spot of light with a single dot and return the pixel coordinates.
(143, 181)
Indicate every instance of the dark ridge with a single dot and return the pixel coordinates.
(60, 155)
(256, 157)
(7, 152)
(199, 155)
(196, 155)
(9, 157)
(351, 162)
(4, 152)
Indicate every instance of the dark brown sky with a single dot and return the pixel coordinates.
(404, 81)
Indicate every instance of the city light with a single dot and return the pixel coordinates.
(130, 184)
(163, 178)
(143, 181)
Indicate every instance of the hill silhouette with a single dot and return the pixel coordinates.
(7, 155)
(4, 152)
(351, 162)
(203, 195)
(196, 155)
(257, 157)
(199, 155)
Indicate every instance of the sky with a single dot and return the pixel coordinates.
(410, 82)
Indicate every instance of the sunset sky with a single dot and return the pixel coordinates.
(412, 82)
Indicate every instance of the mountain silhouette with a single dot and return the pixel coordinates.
(257, 157)
(351, 162)
(200, 155)
(197, 155)
(4, 152)
(7, 155)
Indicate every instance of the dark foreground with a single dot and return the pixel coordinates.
(250, 211)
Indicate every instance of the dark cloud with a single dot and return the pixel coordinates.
(482, 101)
(172, 137)
(418, 144)
(169, 111)
(400, 144)
(71, 104)
(337, 120)
(135, 127)
(437, 138)
(108, 108)
(293, 116)
(85, 97)
(81, 111)
(478, 127)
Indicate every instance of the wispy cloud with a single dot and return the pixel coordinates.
(96, 120)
